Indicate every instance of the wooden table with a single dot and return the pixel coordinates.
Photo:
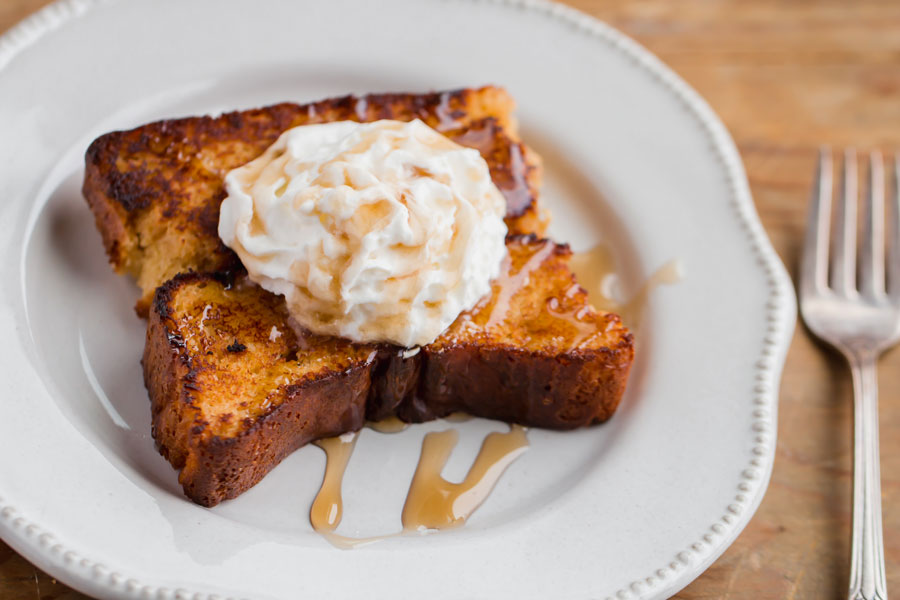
(785, 77)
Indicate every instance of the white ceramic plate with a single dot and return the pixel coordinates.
(635, 508)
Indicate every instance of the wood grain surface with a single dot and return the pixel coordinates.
(785, 77)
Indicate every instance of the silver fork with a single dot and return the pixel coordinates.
(861, 321)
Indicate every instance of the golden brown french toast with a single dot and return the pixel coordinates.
(155, 190)
(234, 389)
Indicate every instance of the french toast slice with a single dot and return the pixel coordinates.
(235, 389)
(155, 190)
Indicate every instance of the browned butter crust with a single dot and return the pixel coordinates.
(234, 390)
(155, 190)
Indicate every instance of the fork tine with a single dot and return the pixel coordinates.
(893, 284)
(843, 249)
(814, 265)
(871, 263)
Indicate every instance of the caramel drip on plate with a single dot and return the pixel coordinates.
(435, 503)
(393, 424)
(432, 502)
(458, 417)
(388, 425)
(596, 271)
(328, 508)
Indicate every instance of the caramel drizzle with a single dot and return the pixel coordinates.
(584, 330)
(432, 502)
(517, 281)
(328, 507)
(435, 503)
(389, 425)
(595, 270)
(458, 417)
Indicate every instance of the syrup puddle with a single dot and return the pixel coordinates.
(389, 425)
(596, 271)
(395, 425)
(458, 417)
(432, 503)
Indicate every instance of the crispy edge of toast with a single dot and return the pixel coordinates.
(121, 193)
(215, 467)
(553, 389)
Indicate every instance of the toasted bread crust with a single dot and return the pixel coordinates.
(155, 190)
(292, 391)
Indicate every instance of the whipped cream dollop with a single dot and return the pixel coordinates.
(377, 232)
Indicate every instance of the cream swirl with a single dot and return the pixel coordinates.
(381, 231)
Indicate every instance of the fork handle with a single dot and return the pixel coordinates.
(867, 579)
